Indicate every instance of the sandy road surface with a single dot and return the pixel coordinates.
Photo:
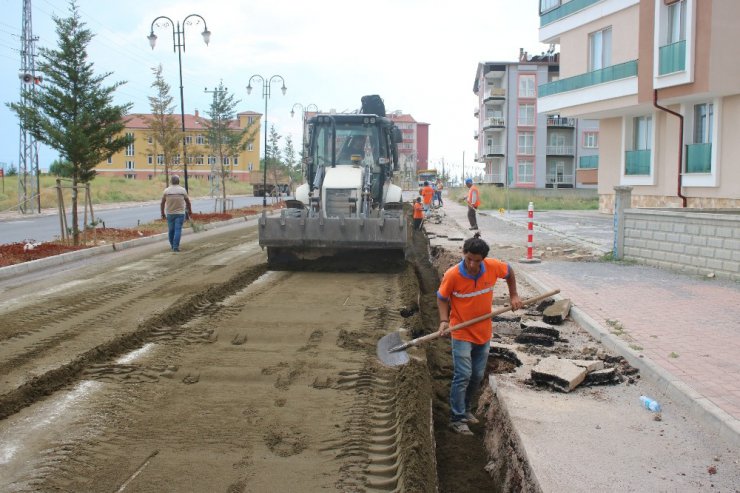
(204, 372)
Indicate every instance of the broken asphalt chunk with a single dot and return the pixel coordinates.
(530, 326)
(538, 339)
(560, 374)
(557, 312)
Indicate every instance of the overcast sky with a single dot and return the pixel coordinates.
(420, 56)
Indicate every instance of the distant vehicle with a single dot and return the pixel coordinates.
(277, 183)
(348, 203)
(429, 175)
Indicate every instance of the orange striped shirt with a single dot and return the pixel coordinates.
(472, 296)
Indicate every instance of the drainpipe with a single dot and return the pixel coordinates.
(680, 143)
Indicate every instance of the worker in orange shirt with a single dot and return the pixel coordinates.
(427, 194)
(418, 213)
(466, 292)
(473, 201)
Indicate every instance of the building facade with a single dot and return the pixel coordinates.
(658, 76)
(141, 161)
(413, 151)
(522, 146)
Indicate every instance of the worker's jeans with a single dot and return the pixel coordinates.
(174, 230)
(472, 218)
(469, 363)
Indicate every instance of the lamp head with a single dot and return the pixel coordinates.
(206, 36)
(292, 113)
(284, 89)
(249, 88)
(152, 39)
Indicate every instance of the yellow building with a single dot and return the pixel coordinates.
(138, 162)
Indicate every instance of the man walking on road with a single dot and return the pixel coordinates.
(438, 191)
(466, 292)
(473, 201)
(175, 203)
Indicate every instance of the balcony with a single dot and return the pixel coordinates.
(560, 150)
(637, 162)
(608, 74)
(497, 178)
(495, 150)
(476, 111)
(588, 162)
(672, 58)
(475, 135)
(561, 122)
(553, 10)
(495, 93)
(494, 121)
(699, 158)
(525, 150)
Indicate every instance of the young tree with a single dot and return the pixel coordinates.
(292, 164)
(275, 167)
(225, 138)
(73, 112)
(163, 125)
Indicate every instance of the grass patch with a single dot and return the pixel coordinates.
(543, 199)
(673, 355)
(106, 189)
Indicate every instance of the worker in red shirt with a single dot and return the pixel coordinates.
(427, 194)
(418, 213)
(466, 292)
(473, 202)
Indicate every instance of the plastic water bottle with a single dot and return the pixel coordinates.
(649, 403)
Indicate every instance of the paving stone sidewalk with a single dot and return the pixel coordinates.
(683, 331)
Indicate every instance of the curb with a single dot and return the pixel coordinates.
(65, 258)
(699, 407)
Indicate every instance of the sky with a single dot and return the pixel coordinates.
(420, 56)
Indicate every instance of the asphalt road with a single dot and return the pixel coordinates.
(45, 227)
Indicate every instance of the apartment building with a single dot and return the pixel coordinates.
(659, 77)
(140, 160)
(522, 146)
(414, 150)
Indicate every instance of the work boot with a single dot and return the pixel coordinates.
(470, 418)
(474, 228)
(460, 427)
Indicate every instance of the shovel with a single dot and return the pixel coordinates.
(391, 352)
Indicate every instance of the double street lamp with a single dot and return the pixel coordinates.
(266, 85)
(178, 42)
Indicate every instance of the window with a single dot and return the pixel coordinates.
(591, 140)
(160, 158)
(188, 139)
(129, 176)
(676, 22)
(211, 159)
(110, 160)
(546, 5)
(149, 140)
(235, 160)
(526, 86)
(525, 143)
(600, 49)
(226, 161)
(643, 129)
(130, 146)
(250, 147)
(199, 159)
(129, 165)
(250, 120)
(703, 116)
(199, 139)
(526, 115)
(150, 159)
(250, 167)
(525, 171)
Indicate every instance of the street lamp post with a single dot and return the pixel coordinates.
(266, 83)
(178, 42)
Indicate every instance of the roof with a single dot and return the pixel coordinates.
(192, 122)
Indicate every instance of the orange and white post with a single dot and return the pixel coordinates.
(530, 237)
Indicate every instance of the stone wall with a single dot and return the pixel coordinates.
(690, 241)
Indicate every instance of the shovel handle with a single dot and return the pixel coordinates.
(475, 320)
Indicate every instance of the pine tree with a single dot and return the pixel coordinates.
(73, 112)
(225, 139)
(163, 125)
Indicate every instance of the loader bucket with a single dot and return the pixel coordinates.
(294, 237)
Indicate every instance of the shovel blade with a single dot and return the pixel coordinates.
(388, 358)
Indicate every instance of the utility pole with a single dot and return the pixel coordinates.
(28, 154)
